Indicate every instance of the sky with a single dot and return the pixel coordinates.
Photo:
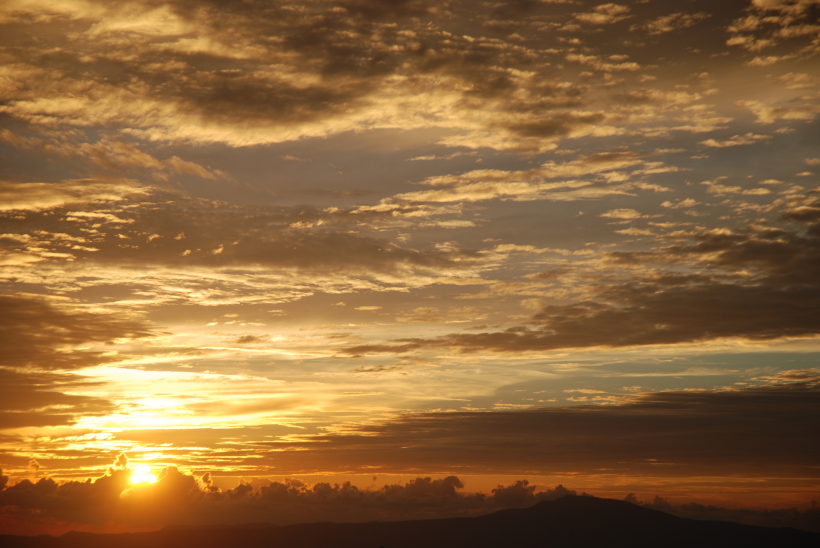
(380, 259)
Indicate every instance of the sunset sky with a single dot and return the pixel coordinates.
(257, 249)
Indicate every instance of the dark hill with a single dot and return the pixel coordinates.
(571, 521)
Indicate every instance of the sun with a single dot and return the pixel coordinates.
(142, 474)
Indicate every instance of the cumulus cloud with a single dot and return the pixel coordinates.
(522, 494)
(181, 498)
(33, 467)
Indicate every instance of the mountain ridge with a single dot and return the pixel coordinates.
(571, 521)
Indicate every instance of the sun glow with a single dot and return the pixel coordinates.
(142, 474)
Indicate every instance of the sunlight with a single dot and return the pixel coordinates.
(142, 474)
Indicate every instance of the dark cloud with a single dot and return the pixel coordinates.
(641, 314)
(40, 399)
(22, 420)
(556, 126)
(779, 255)
(553, 274)
(36, 334)
(766, 431)
(383, 348)
(343, 50)
(179, 498)
(777, 297)
(74, 501)
(522, 494)
(378, 370)
(235, 98)
(250, 339)
(28, 392)
(648, 314)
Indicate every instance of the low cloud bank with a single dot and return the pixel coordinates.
(111, 503)
(808, 520)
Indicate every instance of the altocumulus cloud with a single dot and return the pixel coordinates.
(756, 283)
(199, 232)
(340, 66)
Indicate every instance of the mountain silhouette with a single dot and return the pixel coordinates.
(571, 521)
